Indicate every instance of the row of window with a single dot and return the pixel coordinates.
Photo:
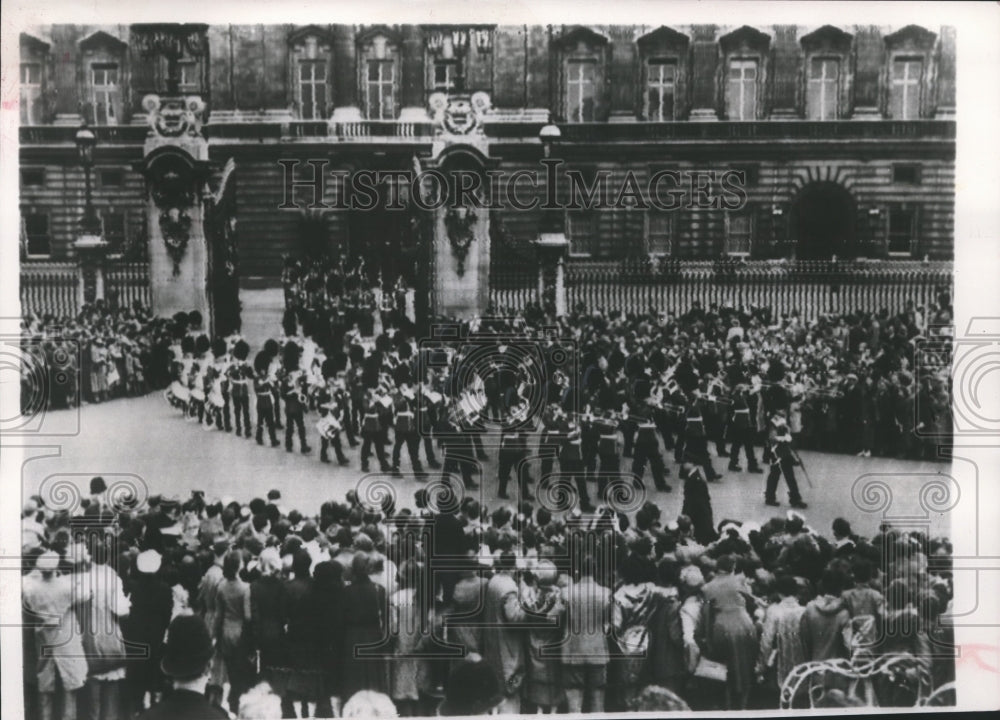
(581, 230)
(582, 78)
(36, 233)
(742, 232)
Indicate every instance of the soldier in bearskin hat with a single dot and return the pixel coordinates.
(264, 390)
(741, 432)
(405, 428)
(293, 391)
(696, 441)
(240, 375)
(782, 462)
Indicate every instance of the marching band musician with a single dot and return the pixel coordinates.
(405, 429)
(647, 448)
(547, 448)
(293, 390)
(741, 432)
(218, 387)
(371, 430)
(571, 459)
(428, 406)
(457, 446)
(330, 423)
(240, 375)
(695, 440)
(264, 392)
(591, 434)
(513, 451)
(273, 352)
(608, 451)
(782, 462)
(196, 381)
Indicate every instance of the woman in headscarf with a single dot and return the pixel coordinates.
(364, 620)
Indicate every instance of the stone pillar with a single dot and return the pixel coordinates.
(704, 69)
(869, 55)
(461, 259)
(946, 75)
(345, 75)
(175, 165)
(412, 101)
(785, 64)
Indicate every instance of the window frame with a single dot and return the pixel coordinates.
(114, 251)
(33, 212)
(43, 175)
(824, 58)
(749, 213)
(581, 62)
(913, 211)
(108, 91)
(380, 45)
(648, 217)
(37, 90)
(318, 111)
(661, 62)
(907, 59)
(575, 216)
(755, 82)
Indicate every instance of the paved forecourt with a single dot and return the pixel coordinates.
(146, 438)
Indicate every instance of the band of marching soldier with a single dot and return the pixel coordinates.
(385, 395)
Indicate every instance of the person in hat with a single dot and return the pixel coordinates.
(697, 504)
(472, 689)
(731, 634)
(185, 662)
(206, 605)
(782, 463)
(240, 375)
(696, 441)
(543, 688)
(292, 383)
(149, 617)
(53, 598)
(741, 432)
(264, 390)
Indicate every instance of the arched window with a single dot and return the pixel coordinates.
(663, 71)
(826, 53)
(582, 56)
(744, 54)
(104, 77)
(909, 52)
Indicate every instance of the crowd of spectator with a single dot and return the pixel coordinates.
(275, 611)
(104, 352)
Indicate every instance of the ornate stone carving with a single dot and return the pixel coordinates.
(461, 226)
(459, 114)
(174, 116)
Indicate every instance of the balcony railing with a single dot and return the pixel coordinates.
(499, 128)
(63, 134)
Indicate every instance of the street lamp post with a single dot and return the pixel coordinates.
(85, 142)
(89, 245)
(552, 244)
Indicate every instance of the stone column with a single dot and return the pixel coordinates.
(461, 263)
(704, 67)
(946, 75)
(869, 55)
(413, 106)
(345, 75)
(785, 63)
(175, 165)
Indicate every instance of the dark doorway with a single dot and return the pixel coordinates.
(382, 237)
(824, 221)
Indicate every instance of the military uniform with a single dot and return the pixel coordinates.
(371, 432)
(782, 463)
(696, 442)
(513, 450)
(741, 434)
(405, 431)
(571, 461)
(264, 391)
(240, 376)
(647, 449)
(609, 460)
(330, 425)
(293, 393)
